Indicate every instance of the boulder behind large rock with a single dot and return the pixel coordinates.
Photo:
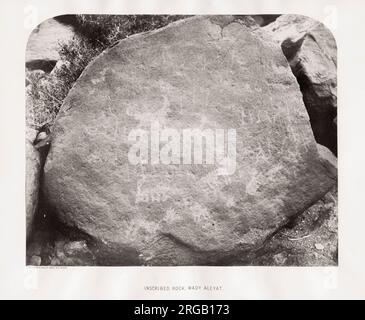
(311, 51)
(43, 44)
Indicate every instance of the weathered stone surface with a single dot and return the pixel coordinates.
(200, 73)
(311, 51)
(33, 168)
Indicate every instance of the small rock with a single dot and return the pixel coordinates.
(319, 246)
(41, 136)
(35, 261)
(60, 66)
(75, 247)
(280, 258)
(312, 54)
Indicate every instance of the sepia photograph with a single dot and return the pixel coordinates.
(182, 157)
(181, 140)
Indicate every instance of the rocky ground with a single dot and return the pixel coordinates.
(310, 240)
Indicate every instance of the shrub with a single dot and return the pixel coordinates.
(105, 30)
(94, 33)
(45, 94)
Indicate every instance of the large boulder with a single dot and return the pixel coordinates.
(200, 73)
(312, 53)
(32, 177)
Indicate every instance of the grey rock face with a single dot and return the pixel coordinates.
(200, 73)
(311, 51)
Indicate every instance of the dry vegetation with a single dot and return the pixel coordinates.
(93, 34)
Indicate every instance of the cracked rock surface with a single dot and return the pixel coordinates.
(201, 73)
